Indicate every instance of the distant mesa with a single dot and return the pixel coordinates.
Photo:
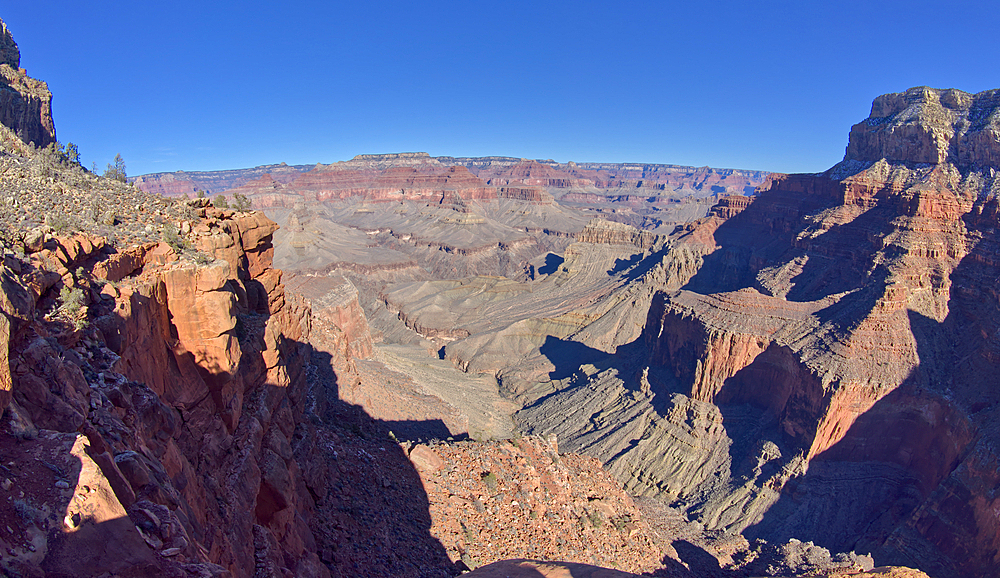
(392, 157)
(175, 184)
(606, 187)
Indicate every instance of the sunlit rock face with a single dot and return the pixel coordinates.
(932, 126)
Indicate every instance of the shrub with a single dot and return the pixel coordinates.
(596, 519)
(220, 202)
(72, 300)
(59, 223)
(171, 236)
(72, 153)
(490, 479)
(27, 512)
(241, 202)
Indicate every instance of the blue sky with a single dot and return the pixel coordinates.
(760, 85)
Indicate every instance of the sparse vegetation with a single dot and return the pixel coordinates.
(56, 153)
(14, 240)
(116, 172)
(73, 300)
(241, 202)
(72, 154)
(201, 258)
(172, 237)
(596, 519)
(59, 223)
(220, 202)
(490, 479)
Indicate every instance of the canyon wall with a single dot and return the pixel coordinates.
(855, 330)
(179, 183)
(187, 387)
(25, 103)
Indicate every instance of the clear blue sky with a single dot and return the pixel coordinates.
(760, 85)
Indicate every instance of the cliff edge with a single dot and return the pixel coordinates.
(25, 103)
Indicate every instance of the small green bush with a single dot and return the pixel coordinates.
(596, 518)
(241, 202)
(172, 236)
(72, 300)
(72, 154)
(490, 479)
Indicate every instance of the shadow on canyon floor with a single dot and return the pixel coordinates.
(371, 514)
(884, 487)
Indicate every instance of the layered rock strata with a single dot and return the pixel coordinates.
(827, 374)
(181, 183)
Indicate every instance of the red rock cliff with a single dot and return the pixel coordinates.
(856, 308)
(187, 387)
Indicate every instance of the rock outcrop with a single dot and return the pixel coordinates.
(9, 52)
(26, 107)
(185, 380)
(930, 126)
(611, 233)
(828, 373)
(25, 103)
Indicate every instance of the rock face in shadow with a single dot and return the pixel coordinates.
(834, 349)
(25, 103)
(186, 380)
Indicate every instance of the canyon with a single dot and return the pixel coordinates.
(405, 365)
(812, 361)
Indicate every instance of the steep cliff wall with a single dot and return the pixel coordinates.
(186, 381)
(829, 372)
(873, 378)
(25, 103)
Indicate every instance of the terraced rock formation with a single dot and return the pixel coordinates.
(648, 195)
(827, 374)
(813, 362)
